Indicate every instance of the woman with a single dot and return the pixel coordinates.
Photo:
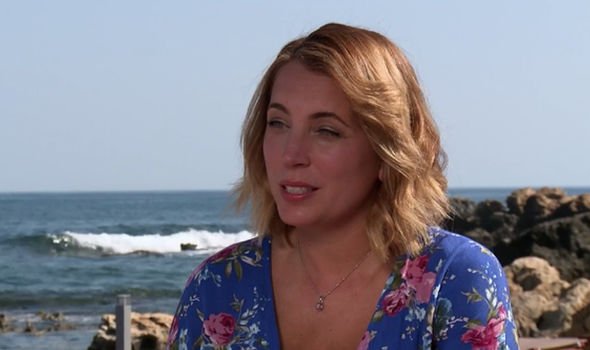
(344, 172)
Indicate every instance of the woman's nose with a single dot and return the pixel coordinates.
(296, 151)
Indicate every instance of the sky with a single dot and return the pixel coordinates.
(150, 95)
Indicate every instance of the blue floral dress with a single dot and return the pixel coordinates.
(452, 296)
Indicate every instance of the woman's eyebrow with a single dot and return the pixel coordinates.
(319, 115)
(316, 115)
(278, 106)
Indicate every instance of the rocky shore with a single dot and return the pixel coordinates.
(148, 332)
(40, 324)
(546, 223)
(541, 237)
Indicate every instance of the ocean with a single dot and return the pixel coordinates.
(75, 252)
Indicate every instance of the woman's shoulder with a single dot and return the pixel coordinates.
(223, 296)
(230, 262)
(453, 249)
(450, 243)
(246, 250)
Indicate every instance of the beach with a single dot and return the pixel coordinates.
(71, 254)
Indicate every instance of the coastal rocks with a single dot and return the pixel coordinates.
(41, 323)
(543, 304)
(541, 204)
(149, 331)
(5, 324)
(545, 204)
(188, 246)
(546, 223)
(579, 204)
(517, 200)
(487, 222)
(564, 242)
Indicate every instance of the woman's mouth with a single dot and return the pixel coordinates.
(297, 189)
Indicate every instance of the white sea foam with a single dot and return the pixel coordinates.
(122, 243)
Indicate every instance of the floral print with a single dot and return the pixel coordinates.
(451, 296)
(486, 337)
(219, 328)
(396, 300)
(365, 340)
(417, 279)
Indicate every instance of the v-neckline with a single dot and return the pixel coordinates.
(272, 319)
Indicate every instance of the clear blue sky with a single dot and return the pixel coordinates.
(142, 95)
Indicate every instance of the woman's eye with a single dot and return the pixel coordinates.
(274, 123)
(328, 132)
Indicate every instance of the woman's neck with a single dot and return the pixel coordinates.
(329, 252)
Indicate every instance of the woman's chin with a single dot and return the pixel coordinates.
(297, 221)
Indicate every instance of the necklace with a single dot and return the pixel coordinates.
(321, 303)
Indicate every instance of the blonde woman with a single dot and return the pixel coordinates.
(343, 169)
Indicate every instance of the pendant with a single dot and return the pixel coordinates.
(319, 306)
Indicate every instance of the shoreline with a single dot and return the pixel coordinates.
(532, 215)
(69, 336)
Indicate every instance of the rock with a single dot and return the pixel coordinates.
(565, 243)
(493, 216)
(149, 331)
(575, 303)
(576, 297)
(188, 246)
(539, 207)
(462, 207)
(488, 222)
(5, 325)
(534, 286)
(582, 203)
(544, 305)
(545, 223)
(543, 205)
(486, 208)
(55, 316)
(476, 221)
(550, 323)
(461, 218)
(534, 274)
(527, 312)
(47, 322)
(577, 205)
(517, 200)
(29, 327)
(550, 296)
(542, 238)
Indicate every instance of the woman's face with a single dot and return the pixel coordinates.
(321, 168)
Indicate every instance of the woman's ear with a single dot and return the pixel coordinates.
(381, 172)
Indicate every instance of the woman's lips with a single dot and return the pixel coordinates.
(294, 191)
(297, 189)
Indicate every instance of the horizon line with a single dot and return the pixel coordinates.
(78, 191)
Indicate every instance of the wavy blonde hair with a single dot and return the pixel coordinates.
(385, 95)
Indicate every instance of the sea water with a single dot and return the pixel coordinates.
(75, 252)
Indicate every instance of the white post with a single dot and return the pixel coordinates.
(123, 322)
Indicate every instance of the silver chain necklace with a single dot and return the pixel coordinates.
(321, 303)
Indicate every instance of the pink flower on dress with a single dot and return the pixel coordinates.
(366, 339)
(486, 337)
(396, 300)
(420, 281)
(220, 328)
